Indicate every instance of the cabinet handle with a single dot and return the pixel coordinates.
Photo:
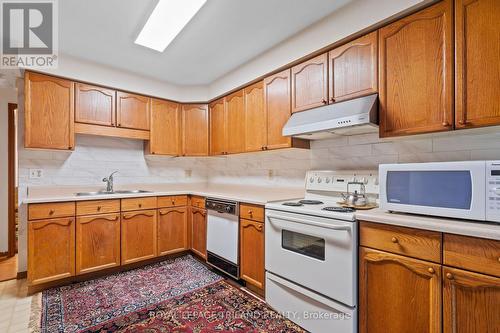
(324, 101)
(462, 122)
(119, 125)
(431, 270)
(332, 100)
(51, 212)
(394, 240)
(140, 205)
(99, 208)
(446, 124)
(449, 276)
(70, 147)
(250, 212)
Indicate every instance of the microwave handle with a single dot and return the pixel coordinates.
(316, 224)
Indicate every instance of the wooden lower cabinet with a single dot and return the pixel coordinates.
(172, 230)
(198, 230)
(471, 302)
(97, 242)
(51, 250)
(138, 236)
(252, 252)
(398, 294)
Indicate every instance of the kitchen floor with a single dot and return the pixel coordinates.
(15, 305)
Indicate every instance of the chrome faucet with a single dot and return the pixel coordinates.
(109, 182)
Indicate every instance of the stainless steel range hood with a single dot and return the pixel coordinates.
(356, 116)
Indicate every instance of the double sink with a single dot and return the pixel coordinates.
(84, 194)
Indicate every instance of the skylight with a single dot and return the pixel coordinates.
(166, 21)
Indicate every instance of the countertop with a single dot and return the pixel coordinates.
(447, 225)
(242, 193)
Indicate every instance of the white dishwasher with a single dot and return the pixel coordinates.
(223, 236)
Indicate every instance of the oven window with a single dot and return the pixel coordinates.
(444, 189)
(310, 246)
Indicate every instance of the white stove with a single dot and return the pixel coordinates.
(311, 253)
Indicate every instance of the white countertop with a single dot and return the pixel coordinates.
(242, 193)
(448, 225)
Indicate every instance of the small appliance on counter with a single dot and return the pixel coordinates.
(466, 190)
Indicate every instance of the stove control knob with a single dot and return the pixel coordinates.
(319, 180)
(311, 180)
(327, 180)
(228, 209)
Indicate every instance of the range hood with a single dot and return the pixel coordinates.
(356, 116)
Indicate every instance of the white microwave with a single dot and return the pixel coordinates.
(465, 190)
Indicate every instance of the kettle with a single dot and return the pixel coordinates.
(355, 199)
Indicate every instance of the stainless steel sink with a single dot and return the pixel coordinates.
(86, 194)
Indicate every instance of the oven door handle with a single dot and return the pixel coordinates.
(316, 224)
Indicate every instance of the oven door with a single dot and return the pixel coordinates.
(450, 189)
(314, 252)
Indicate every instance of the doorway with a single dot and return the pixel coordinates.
(8, 265)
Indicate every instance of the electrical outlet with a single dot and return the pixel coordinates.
(188, 173)
(36, 173)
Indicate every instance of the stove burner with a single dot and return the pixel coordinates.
(311, 202)
(340, 209)
(293, 204)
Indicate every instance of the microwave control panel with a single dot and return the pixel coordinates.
(493, 191)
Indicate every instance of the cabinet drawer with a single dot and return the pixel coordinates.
(172, 201)
(475, 254)
(51, 210)
(97, 207)
(138, 204)
(410, 242)
(198, 202)
(252, 212)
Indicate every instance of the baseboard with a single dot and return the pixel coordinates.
(22, 275)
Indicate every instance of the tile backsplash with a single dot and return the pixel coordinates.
(96, 157)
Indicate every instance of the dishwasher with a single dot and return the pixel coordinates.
(223, 236)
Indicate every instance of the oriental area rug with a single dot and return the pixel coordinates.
(176, 295)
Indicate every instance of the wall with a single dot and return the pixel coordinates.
(7, 95)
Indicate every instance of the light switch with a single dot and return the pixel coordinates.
(36, 173)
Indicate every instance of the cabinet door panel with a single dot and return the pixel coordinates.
(97, 242)
(252, 252)
(353, 68)
(398, 294)
(138, 234)
(165, 136)
(51, 250)
(416, 73)
(199, 232)
(235, 111)
(132, 111)
(277, 108)
(172, 230)
(477, 50)
(195, 130)
(310, 84)
(49, 112)
(218, 128)
(471, 302)
(94, 105)
(255, 118)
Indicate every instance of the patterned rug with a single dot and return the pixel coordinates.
(179, 295)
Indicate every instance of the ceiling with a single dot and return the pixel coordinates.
(223, 35)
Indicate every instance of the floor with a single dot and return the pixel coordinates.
(15, 306)
(8, 268)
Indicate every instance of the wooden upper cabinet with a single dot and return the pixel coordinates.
(416, 72)
(477, 47)
(353, 69)
(97, 242)
(165, 136)
(470, 302)
(398, 294)
(277, 107)
(255, 117)
(49, 112)
(235, 127)
(132, 111)
(94, 105)
(218, 124)
(195, 130)
(51, 250)
(310, 84)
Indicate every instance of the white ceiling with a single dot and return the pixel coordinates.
(223, 35)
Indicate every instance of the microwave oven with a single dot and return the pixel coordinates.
(466, 190)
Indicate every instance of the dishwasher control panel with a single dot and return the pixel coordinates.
(222, 206)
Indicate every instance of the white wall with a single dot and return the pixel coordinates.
(7, 95)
